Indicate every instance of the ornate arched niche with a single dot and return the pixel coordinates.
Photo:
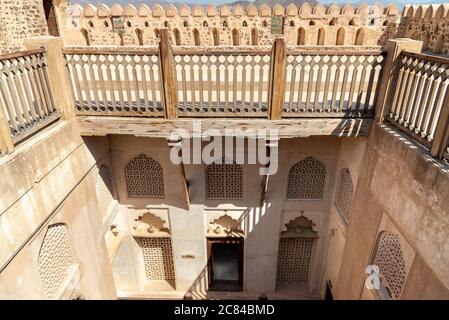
(149, 224)
(225, 226)
(301, 227)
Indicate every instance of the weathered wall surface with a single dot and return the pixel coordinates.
(208, 26)
(188, 226)
(49, 180)
(403, 191)
(20, 20)
(351, 155)
(428, 23)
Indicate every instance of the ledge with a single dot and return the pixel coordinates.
(162, 128)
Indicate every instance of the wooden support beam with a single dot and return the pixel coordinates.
(269, 145)
(162, 128)
(440, 141)
(170, 93)
(277, 79)
(178, 145)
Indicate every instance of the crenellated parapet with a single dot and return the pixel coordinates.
(305, 10)
(428, 23)
(210, 25)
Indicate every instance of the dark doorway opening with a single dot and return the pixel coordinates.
(50, 16)
(225, 267)
(329, 295)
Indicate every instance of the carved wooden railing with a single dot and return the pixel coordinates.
(220, 83)
(113, 82)
(420, 105)
(26, 100)
(229, 82)
(332, 84)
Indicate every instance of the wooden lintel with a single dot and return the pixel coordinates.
(164, 128)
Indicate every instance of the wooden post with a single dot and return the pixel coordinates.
(170, 96)
(440, 141)
(6, 143)
(177, 143)
(277, 79)
(58, 74)
(390, 73)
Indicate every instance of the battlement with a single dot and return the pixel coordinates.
(305, 10)
(428, 23)
(225, 25)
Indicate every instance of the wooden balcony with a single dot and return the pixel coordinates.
(153, 90)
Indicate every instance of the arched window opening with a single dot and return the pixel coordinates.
(306, 180)
(439, 45)
(85, 36)
(90, 24)
(166, 24)
(144, 178)
(360, 37)
(235, 37)
(385, 24)
(345, 194)
(301, 39)
(128, 24)
(352, 22)
(216, 37)
(205, 25)
(156, 33)
(106, 24)
(264, 24)
(244, 24)
(340, 37)
(426, 42)
(321, 37)
(389, 258)
(56, 260)
(225, 24)
(146, 24)
(312, 23)
(177, 35)
(139, 36)
(292, 23)
(254, 37)
(196, 37)
(186, 24)
(333, 22)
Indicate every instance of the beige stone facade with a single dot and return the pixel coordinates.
(428, 23)
(212, 26)
(93, 207)
(20, 20)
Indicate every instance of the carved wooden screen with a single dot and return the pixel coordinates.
(157, 257)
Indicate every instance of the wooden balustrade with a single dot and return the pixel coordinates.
(26, 100)
(332, 84)
(116, 82)
(420, 104)
(224, 82)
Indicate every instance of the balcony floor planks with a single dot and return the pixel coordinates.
(162, 128)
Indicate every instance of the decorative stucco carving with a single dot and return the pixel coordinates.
(225, 226)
